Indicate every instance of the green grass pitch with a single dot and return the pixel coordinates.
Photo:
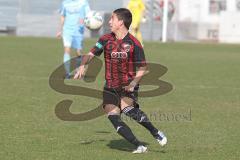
(202, 112)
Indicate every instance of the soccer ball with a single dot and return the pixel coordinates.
(93, 20)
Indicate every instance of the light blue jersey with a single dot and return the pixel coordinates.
(74, 12)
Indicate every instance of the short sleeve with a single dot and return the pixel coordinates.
(62, 10)
(139, 56)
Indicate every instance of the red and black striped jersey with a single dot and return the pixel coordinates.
(122, 58)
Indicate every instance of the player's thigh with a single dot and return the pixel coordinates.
(110, 96)
(67, 50)
(126, 101)
(129, 98)
(67, 41)
(111, 109)
(77, 43)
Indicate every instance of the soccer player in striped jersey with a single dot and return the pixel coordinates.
(72, 13)
(125, 65)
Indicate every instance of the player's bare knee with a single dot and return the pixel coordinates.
(67, 50)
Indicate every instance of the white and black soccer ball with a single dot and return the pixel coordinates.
(93, 20)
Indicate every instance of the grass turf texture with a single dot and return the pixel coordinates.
(205, 79)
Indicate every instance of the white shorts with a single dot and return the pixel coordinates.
(75, 42)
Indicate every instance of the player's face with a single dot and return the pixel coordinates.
(114, 23)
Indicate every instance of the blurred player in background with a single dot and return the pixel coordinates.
(137, 9)
(72, 29)
(125, 65)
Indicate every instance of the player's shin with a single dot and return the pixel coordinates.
(67, 64)
(140, 117)
(123, 129)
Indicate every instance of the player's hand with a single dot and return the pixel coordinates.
(80, 73)
(130, 87)
(59, 34)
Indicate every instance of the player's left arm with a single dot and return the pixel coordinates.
(140, 73)
(86, 9)
(141, 66)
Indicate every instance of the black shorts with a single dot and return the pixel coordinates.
(113, 96)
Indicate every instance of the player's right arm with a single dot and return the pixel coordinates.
(95, 51)
(62, 19)
(85, 60)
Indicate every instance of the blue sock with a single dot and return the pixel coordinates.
(67, 64)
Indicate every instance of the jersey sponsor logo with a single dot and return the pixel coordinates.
(122, 55)
(122, 48)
